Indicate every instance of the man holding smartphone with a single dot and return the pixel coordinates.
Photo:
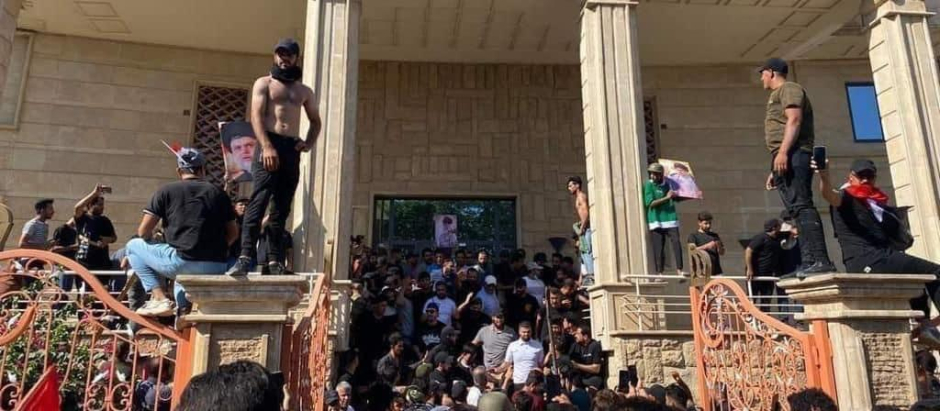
(788, 128)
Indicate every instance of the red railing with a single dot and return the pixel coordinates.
(308, 366)
(748, 360)
(86, 339)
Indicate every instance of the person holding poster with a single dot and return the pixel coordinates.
(277, 101)
(661, 217)
(238, 146)
(445, 231)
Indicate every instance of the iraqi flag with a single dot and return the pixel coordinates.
(45, 394)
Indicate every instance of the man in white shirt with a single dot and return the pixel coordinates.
(488, 296)
(533, 283)
(35, 233)
(523, 356)
(445, 306)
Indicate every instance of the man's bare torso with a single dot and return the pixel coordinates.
(581, 207)
(284, 105)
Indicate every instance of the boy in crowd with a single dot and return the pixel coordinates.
(707, 240)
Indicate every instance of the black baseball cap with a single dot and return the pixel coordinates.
(775, 64)
(864, 168)
(771, 225)
(288, 44)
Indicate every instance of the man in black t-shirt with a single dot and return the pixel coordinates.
(866, 227)
(707, 240)
(520, 305)
(65, 243)
(95, 233)
(586, 358)
(762, 259)
(194, 213)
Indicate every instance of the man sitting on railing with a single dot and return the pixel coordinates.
(870, 232)
(193, 212)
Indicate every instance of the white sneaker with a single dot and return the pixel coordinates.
(158, 308)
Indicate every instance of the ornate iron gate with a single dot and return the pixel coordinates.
(748, 360)
(308, 367)
(82, 338)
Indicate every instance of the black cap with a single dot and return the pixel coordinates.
(864, 168)
(331, 397)
(288, 44)
(242, 200)
(776, 64)
(771, 225)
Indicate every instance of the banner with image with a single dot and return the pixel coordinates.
(445, 230)
(681, 179)
(238, 150)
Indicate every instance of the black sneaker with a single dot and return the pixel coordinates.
(811, 270)
(241, 267)
(275, 268)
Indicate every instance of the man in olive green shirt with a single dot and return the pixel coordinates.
(788, 131)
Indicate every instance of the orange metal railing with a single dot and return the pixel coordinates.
(748, 360)
(308, 366)
(100, 362)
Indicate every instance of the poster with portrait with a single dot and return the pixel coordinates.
(681, 179)
(445, 230)
(238, 150)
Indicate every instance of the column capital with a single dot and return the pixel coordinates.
(881, 9)
(254, 298)
(591, 4)
(856, 296)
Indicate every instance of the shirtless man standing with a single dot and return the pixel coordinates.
(276, 102)
(583, 229)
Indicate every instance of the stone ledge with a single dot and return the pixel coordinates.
(254, 298)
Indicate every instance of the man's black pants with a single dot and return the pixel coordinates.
(659, 236)
(893, 262)
(796, 191)
(276, 186)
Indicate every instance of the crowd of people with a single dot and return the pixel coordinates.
(463, 328)
(441, 326)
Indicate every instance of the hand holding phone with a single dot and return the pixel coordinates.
(819, 157)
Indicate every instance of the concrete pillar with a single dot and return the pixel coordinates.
(240, 318)
(614, 142)
(322, 219)
(9, 11)
(867, 317)
(905, 72)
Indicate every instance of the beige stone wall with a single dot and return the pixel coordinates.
(713, 117)
(655, 358)
(472, 130)
(95, 111)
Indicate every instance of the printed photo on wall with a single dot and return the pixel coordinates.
(681, 179)
(238, 148)
(445, 230)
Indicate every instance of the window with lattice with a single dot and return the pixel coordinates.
(216, 104)
(652, 130)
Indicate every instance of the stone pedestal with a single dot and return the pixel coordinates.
(904, 68)
(322, 221)
(867, 317)
(240, 318)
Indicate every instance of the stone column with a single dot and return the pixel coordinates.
(240, 318)
(323, 202)
(867, 317)
(614, 138)
(905, 72)
(9, 11)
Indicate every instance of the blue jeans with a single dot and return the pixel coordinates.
(152, 261)
(587, 260)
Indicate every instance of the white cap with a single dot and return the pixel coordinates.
(489, 280)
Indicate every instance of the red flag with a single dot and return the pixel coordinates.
(45, 394)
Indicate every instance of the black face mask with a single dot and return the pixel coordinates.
(287, 75)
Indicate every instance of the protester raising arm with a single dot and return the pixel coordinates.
(831, 195)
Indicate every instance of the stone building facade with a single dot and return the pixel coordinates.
(455, 98)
